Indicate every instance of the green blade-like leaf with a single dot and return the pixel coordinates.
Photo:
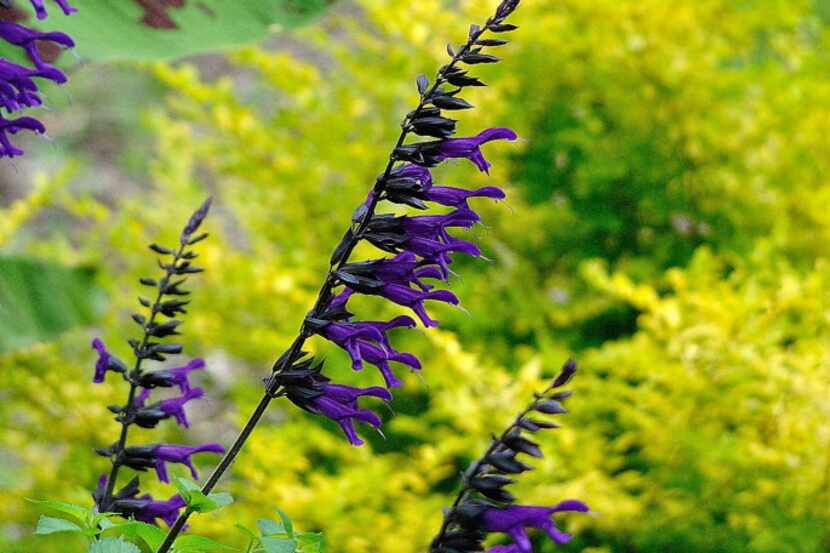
(113, 545)
(106, 30)
(78, 511)
(51, 525)
(286, 521)
(40, 300)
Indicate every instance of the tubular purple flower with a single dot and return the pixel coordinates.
(28, 38)
(146, 509)
(514, 520)
(178, 376)
(470, 147)
(339, 403)
(14, 126)
(457, 197)
(160, 455)
(106, 362)
(102, 365)
(174, 407)
(40, 8)
(414, 299)
(148, 416)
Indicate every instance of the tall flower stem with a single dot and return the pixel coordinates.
(132, 378)
(341, 257)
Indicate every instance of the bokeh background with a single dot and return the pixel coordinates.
(666, 225)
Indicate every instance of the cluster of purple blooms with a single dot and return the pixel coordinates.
(141, 410)
(421, 250)
(18, 87)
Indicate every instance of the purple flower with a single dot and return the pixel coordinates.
(156, 456)
(150, 415)
(167, 378)
(13, 126)
(146, 509)
(40, 9)
(457, 197)
(367, 341)
(514, 520)
(28, 38)
(470, 147)
(106, 362)
(339, 403)
(414, 299)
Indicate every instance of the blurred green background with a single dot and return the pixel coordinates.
(666, 225)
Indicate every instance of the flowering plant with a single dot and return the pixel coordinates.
(421, 250)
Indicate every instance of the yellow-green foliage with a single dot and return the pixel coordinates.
(666, 224)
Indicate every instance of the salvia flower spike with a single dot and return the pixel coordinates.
(177, 265)
(484, 506)
(421, 249)
(18, 86)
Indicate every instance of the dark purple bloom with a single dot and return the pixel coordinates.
(150, 415)
(146, 509)
(13, 126)
(514, 520)
(457, 197)
(40, 9)
(106, 362)
(28, 38)
(414, 299)
(156, 456)
(177, 376)
(367, 341)
(195, 220)
(339, 403)
(470, 147)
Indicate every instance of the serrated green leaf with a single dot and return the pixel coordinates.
(51, 525)
(113, 545)
(40, 300)
(148, 533)
(78, 511)
(105, 30)
(198, 544)
(278, 545)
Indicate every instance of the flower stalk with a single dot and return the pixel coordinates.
(422, 245)
(168, 302)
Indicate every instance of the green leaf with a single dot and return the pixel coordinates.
(40, 300)
(51, 525)
(221, 499)
(278, 545)
(312, 542)
(148, 533)
(113, 545)
(78, 511)
(106, 30)
(247, 531)
(270, 527)
(197, 544)
(199, 502)
(286, 521)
